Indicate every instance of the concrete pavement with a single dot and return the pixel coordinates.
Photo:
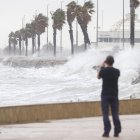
(72, 129)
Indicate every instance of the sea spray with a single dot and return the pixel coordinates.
(74, 81)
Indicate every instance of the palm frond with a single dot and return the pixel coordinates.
(58, 19)
(136, 3)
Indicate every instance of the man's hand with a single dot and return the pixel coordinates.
(102, 65)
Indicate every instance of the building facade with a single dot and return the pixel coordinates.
(116, 32)
(117, 36)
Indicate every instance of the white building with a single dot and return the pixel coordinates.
(116, 32)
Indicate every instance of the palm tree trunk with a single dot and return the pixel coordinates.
(38, 43)
(35, 49)
(71, 38)
(20, 45)
(132, 23)
(9, 46)
(26, 43)
(86, 37)
(54, 40)
(33, 44)
(14, 48)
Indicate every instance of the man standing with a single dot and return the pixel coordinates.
(109, 96)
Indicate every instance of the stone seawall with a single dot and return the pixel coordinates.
(37, 113)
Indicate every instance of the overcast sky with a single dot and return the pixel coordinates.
(13, 11)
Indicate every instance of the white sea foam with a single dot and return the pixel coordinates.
(73, 81)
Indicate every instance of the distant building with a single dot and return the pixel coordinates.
(116, 32)
(116, 36)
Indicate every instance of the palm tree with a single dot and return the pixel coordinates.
(41, 22)
(83, 14)
(31, 30)
(133, 5)
(10, 38)
(25, 35)
(15, 43)
(58, 18)
(71, 14)
(22, 32)
(18, 36)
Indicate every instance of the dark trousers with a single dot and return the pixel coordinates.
(106, 103)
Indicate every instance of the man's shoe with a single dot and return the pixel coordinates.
(116, 135)
(105, 135)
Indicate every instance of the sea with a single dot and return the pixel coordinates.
(74, 81)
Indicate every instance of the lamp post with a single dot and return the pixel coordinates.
(47, 27)
(23, 26)
(132, 23)
(61, 47)
(97, 26)
(35, 40)
(123, 25)
(102, 20)
(77, 31)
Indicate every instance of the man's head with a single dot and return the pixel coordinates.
(109, 60)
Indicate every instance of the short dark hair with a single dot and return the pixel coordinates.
(109, 60)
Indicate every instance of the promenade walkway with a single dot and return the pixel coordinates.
(72, 129)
